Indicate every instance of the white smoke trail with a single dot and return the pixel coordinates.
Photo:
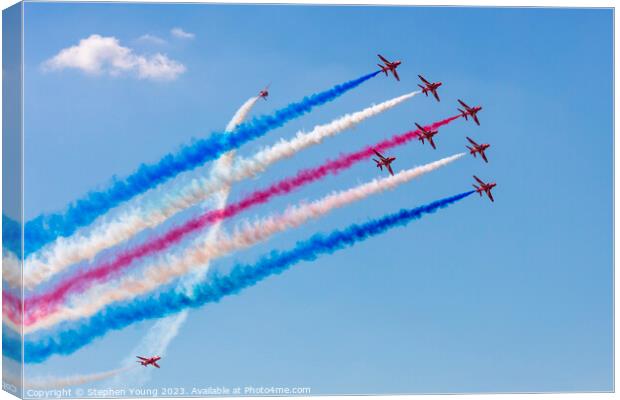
(11, 272)
(155, 342)
(67, 251)
(168, 267)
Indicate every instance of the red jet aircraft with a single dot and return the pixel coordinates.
(384, 162)
(426, 134)
(478, 148)
(389, 66)
(484, 187)
(429, 87)
(149, 361)
(470, 111)
(264, 93)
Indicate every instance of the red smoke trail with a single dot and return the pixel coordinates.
(38, 306)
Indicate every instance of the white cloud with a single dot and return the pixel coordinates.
(148, 38)
(180, 33)
(98, 55)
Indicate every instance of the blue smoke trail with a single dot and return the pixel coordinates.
(216, 287)
(45, 228)
(11, 235)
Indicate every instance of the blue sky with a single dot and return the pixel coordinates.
(510, 296)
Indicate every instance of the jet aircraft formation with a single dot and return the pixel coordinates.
(426, 134)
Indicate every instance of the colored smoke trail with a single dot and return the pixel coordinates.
(172, 266)
(45, 228)
(65, 252)
(213, 290)
(40, 305)
(11, 234)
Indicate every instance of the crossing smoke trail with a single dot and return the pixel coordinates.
(46, 228)
(172, 266)
(39, 305)
(164, 330)
(67, 251)
(217, 287)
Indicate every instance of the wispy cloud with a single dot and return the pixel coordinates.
(148, 38)
(180, 33)
(97, 55)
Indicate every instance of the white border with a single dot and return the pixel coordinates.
(478, 3)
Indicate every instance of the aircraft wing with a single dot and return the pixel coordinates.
(471, 141)
(379, 154)
(475, 117)
(156, 365)
(463, 104)
(389, 167)
(490, 195)
(436, 95)
(424, 80)
(396, 75)
(382, 58)
(142, 358)
(478, 179)
(484, 157)
(430, 140)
